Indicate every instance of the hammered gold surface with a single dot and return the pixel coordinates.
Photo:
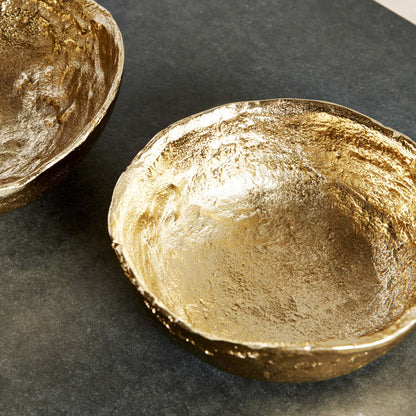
(60, 68)
(282, 224)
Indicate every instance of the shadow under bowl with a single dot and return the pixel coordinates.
(275, 239)
(60, 72)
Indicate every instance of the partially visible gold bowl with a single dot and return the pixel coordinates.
(60, 71)
(275, 239)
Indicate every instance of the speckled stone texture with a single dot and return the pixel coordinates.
(74, 339)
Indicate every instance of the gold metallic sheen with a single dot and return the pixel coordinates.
(275, 239)
(61, 64)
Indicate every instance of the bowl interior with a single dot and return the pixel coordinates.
(59, 61)
(273, 222)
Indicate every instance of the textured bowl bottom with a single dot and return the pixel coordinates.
(273, 227)
(284, 271)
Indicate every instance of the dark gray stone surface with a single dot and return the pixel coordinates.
(74, 340)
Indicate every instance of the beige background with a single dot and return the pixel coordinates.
(404, 8)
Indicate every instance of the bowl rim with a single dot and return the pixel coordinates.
(105, 18)
(376, 340)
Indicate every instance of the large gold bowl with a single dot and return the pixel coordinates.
(274, 238)
(60, 70)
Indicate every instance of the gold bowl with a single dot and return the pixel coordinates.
(274, 238)
(60, 71)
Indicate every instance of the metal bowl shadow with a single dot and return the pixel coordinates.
(61, 69)
(276, 238)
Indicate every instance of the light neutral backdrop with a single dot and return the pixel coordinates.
(404, 8)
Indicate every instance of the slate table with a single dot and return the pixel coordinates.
(74, 339)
